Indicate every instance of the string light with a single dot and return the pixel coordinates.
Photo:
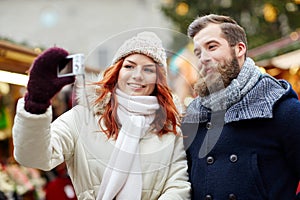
(182, 9)
(270, 12)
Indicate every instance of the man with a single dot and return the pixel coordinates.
(242, 132)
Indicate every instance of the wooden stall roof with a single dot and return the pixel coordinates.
(16, 58)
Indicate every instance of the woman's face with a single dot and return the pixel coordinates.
(137, 76)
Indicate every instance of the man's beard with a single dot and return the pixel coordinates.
(218, 80)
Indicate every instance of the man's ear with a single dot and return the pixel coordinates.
(240, 50)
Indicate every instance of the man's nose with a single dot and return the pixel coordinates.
(204, 57)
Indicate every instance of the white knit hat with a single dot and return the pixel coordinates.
(146, 43)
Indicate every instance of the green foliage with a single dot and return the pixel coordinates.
(250, 14)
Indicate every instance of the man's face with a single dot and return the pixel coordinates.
(217, 61)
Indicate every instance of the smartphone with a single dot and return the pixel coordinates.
(73, 65)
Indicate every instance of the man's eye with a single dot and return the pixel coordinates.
(212, 47)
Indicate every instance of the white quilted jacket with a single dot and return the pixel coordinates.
(75, 138)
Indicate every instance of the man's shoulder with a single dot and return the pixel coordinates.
(272, 88)
(267, 94)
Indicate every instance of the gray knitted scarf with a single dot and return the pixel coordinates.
(223, 99)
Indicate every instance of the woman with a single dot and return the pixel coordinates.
(129, 148)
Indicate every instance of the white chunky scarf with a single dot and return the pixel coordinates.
(122, 178)
(223, 99)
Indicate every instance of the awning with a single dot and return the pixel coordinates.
(285, 61)
(15, 58)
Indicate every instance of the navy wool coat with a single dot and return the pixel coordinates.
(251, 151)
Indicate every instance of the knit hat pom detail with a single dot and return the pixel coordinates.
(147, 43)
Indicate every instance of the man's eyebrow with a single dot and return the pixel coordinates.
(212, 41)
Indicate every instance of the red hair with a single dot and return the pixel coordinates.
(167, 117)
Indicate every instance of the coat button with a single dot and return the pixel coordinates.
(233, 158)
(208, 125)
(210, 160)
(232, 197)
(208, 197)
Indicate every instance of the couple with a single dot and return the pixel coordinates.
(240, 134)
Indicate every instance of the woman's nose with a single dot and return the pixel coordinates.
(137, 73)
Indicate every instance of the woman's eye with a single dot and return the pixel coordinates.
(128, 66)
(151, 70)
